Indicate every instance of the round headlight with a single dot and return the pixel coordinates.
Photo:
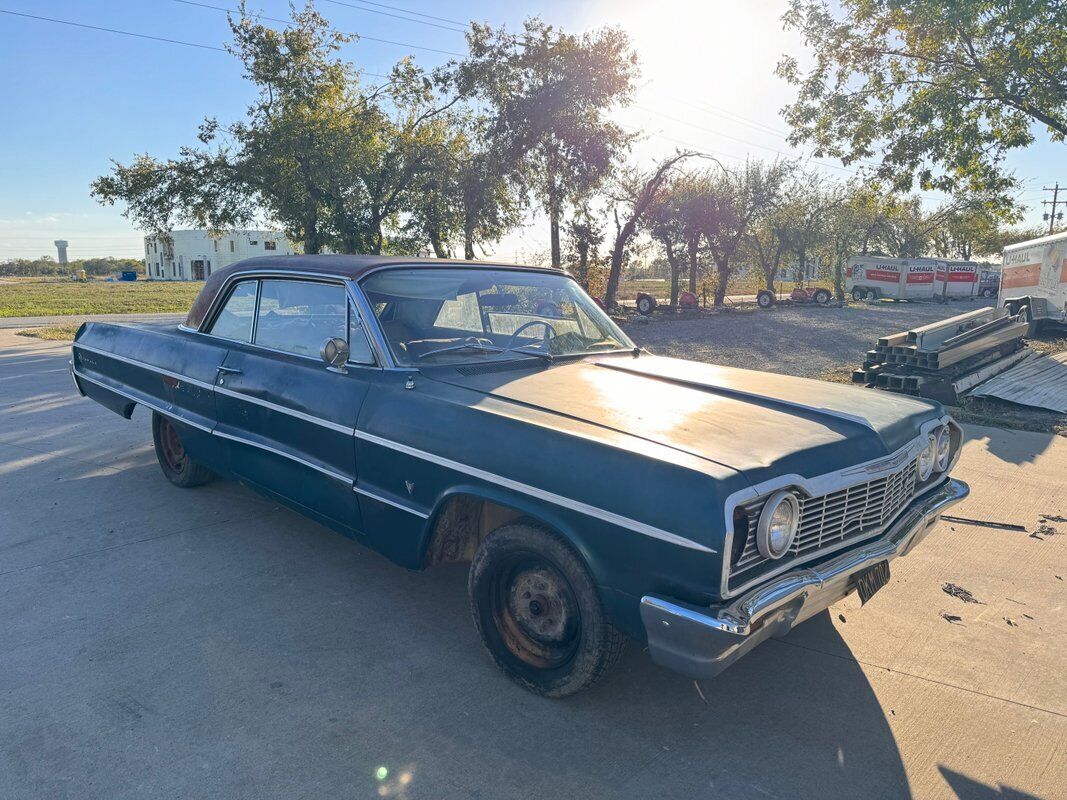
(778, 523)
(927, 458)
(944, 449)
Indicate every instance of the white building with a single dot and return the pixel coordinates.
(193, 255)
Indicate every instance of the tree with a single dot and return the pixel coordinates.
(665, 225)
(332, 163)
(945, 84)
(585, 236)
(738, 199)
(639, 193)
(551, 93)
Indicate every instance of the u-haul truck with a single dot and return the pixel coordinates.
(1033, 279)
(873, 277)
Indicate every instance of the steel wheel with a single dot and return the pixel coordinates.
(171, 444)
(179, 467)
(535, 612)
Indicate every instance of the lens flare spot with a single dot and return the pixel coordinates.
(381, 773)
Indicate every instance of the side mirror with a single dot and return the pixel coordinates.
(335, 353)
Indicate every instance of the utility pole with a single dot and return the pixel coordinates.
(1052, 217)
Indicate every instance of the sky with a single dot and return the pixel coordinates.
(73, 99)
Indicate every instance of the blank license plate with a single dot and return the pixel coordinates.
(871, 580)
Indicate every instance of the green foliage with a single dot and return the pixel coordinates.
(46, 265)
(940, 90)
(551, 93)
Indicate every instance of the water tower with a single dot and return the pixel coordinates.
(61, 246)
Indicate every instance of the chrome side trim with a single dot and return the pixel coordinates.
(540, 494)
(816, 487)
(292, 412)
(153, 367)
(337, 476)
(223, 390)
(388, 502)
(140, 401)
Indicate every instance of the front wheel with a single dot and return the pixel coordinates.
(766, 298)
(539, 613)
(823, 296)
(177, 465)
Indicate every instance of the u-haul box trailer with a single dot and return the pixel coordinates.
(955, 280)
(1033, 279)
(895, 278)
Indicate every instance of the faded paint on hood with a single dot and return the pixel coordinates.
(759, 423)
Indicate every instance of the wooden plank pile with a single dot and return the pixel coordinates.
(946, 358)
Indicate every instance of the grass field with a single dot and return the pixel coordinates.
(42, 297)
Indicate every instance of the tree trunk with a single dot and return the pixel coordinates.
(839, 284)
(676, 270)
(468, 244)
(438, 246)
(693, 244)
(553, 222)
(615, 273)
(583, 264)
(723, 268)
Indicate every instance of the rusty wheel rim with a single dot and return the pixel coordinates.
(535, 612)
(171, 444)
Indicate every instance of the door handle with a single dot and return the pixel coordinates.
(227, 370)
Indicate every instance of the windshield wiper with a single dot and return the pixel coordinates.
(538, 353)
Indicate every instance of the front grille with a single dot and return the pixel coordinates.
(827, 520)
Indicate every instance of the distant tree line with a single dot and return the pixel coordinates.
(46, 265)
(451, 160)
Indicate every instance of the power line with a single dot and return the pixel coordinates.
(113, 30)
(344, 33)
(413, 13)
(397, 16)
(136, 35)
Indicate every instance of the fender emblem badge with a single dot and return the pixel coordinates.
(410, 486)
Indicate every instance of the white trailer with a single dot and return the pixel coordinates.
(1033, 280)
(955, 280)
(895, 278)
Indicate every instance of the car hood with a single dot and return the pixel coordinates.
(759, 423)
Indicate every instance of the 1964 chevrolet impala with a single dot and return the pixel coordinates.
(447, 411)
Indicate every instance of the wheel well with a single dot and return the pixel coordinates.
(462, 525)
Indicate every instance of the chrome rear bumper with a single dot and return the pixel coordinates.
(703, 641)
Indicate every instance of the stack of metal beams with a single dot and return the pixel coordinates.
(945, 358)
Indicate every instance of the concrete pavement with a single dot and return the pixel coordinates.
(156, 642)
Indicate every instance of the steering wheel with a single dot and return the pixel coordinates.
(550, 332)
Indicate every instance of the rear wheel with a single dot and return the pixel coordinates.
(646, 304)
(539, 613)
(859, 293)
(177, 465)
(822, 296)
(766, 298)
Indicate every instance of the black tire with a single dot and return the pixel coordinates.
(538, 611)
(765, 298)
(177, 465)
(822, 296)
(646, 304)
(859, 293)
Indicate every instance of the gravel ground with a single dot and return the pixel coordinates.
(797, 340)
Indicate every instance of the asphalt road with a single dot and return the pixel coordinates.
(156, 642)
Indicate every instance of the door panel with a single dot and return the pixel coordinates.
(289, 422)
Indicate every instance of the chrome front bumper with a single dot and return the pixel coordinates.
(703, 641)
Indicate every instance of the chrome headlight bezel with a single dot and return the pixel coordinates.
(924, 466)
(943, 450)
(775, 502)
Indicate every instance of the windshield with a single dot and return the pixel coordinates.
(438, 316)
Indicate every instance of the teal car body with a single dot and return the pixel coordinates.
(653, 469)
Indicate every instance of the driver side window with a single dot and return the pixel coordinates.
(298, 316)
